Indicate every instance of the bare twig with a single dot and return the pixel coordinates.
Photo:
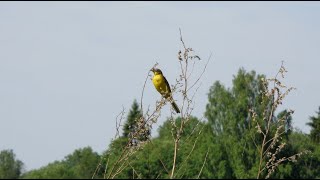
(187, 102)
(150, 117)
(144, 85)
(269, 146)
(204, 69)
(97, 169)
(204, 162)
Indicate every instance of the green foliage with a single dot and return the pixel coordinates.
(315, 127)
(154, 160)
(55, 170)
(82, 162)
(228, 115)
(10, 167)
(225, 146)
(193, 145)
(78, 165)
(288, 120)
(307, 166)
(134, 123)
(130, 125)
(111, 155)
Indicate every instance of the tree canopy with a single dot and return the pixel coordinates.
(10, 167)
(225, 144)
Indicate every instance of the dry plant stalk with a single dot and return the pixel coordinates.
(144, 123)
(150, 117)
(119, 119)
(270, 147)
(182, 86)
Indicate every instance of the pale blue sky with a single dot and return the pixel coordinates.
(58, 61)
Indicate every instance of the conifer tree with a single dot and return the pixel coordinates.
(135, 126)
(315, 127)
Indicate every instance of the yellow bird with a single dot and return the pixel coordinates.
(163, 87)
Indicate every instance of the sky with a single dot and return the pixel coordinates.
(68, 68)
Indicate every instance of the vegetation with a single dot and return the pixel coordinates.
(245, 134)
(223, 146)
(315, 127)
(10, 167)
(80, 164)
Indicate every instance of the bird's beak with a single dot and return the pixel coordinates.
(152, 69)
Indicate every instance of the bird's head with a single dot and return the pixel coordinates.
(156, 71)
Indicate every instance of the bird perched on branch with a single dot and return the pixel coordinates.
(163, 87)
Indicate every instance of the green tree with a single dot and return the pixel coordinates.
(81, 164)
(315, 127)
(228, 115)
(307, 167)
(131, 123)
(54, 170)
(10, 167)
(225, 146)
(135, 130)
(135, 125)
(154, 159)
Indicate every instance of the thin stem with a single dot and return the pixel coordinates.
(97, 169)
(174, 158)
(204, 162)
(202, 72)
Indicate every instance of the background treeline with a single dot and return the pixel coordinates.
(224, 145)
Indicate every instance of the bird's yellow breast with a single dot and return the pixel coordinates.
(159, 83)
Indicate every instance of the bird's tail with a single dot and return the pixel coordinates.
(175, 107)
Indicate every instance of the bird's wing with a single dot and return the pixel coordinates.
(167, 84)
